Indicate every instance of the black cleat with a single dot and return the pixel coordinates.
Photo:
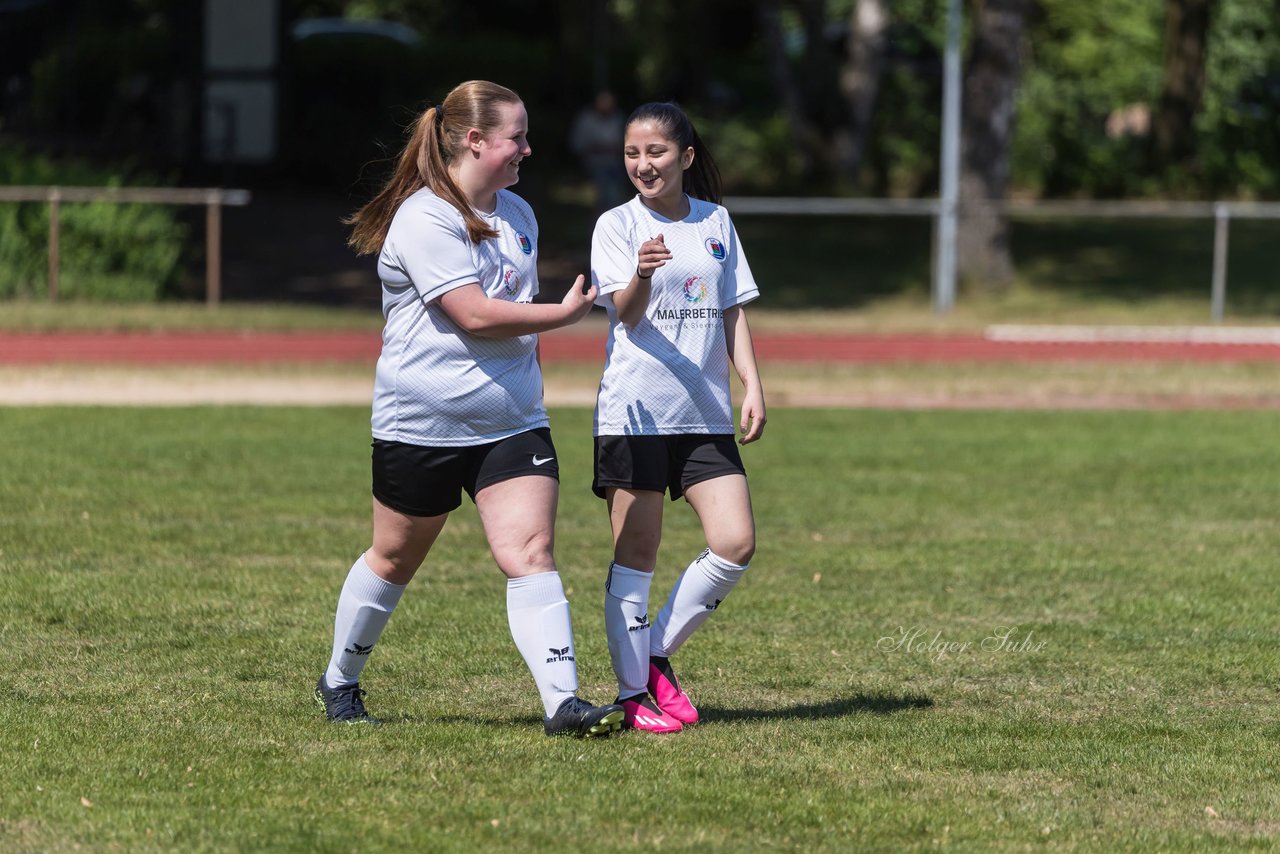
(578, 717)
(343, 705)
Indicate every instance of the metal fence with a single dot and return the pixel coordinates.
(212, 198)
(1220, 212)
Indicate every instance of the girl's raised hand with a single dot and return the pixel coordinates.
(653, 254)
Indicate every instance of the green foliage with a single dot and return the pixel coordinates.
(168, 604)
(340, 97)
(754, 156)
(24, 231)
(1240, 125)
(902, 156)
(903, 151)
(108, 252)
(1088, 61)
(1085, 61)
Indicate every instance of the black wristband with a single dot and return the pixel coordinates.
(638, 276)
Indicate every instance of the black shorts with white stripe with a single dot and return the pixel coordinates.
(428, 481)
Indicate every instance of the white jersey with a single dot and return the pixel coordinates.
(436, 384)
(670, 373)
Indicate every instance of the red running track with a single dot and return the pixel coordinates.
(197, 348)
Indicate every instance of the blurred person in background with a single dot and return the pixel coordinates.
(596, 137)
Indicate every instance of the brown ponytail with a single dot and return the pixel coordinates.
(434, 140)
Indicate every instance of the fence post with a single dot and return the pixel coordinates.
(944, 274)
(55, 202)
(213, 250)
(1218, 298)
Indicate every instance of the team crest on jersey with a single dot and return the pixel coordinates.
(511, 282)
(526, 245)
(694, 290)
(716, 248)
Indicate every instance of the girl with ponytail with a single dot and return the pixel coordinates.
(673, 277)
(457, 402)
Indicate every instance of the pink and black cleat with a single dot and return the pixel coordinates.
(643, 714)
(666, 691)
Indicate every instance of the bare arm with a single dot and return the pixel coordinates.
(742, 354)
(632, 301)
(479, 315)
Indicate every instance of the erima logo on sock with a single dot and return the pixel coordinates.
(713, 607)
(643, 623)
(359, 650)
(559, 655)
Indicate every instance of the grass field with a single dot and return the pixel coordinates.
(168, 576)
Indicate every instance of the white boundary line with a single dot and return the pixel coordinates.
(1265, 335)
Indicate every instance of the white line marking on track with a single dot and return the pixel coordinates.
(1246, 335)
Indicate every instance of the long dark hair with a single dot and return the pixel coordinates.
(702, 179)
(435, 138)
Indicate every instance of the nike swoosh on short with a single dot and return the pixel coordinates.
(543, 461)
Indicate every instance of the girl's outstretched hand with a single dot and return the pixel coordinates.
(578, 301)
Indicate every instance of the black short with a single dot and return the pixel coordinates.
(660, 463)
(428, 481)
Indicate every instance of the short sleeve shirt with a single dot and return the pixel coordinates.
(436, 384)
(670, 373)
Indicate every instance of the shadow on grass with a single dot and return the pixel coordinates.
(839, 707)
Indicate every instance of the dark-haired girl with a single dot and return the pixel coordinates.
(674, 280)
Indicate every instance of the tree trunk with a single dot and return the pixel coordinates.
(990, 86)
(1186, 31)
(860, 81)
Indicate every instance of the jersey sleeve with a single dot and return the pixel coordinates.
(613, 258)
(428, 247)
(738, 285)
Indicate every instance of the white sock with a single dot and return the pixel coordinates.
(626, 623)
(364, 607)
(700, 590)
(538, 615)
